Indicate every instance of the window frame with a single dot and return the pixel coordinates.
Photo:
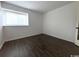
(17, 12)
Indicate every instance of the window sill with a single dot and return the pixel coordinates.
(16, 26)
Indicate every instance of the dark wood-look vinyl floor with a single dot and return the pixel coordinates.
(39, 46)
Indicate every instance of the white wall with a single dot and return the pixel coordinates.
(61, 22)
(35, 27)
(0, 22)
(1, 31)
(15, 32)
(77, 24)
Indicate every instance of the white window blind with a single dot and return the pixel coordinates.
(12, 18)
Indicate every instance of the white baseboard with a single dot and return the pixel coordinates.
(77, 42)
(19, 37)
(1, 45)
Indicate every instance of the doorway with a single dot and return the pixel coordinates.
(78, 33)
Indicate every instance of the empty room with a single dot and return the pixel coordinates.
(39, 28)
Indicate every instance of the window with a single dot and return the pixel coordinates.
(15, 19)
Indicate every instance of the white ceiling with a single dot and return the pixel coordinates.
(41, 6)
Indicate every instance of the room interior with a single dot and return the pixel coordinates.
(51, 29)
